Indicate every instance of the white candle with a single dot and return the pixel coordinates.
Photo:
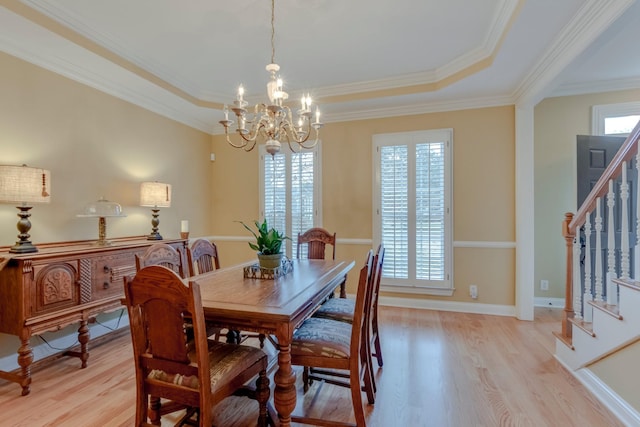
(226, 112)
(317, 115)
(184, 226)
(240, 93)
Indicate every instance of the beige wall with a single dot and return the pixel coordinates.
(484, 197)
(619, 373)
(557, 123)
(94, 145)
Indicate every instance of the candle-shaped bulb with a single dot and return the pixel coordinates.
(317, 115)
(240, 93)
(279, 84)
(303, 102)
(308, 101)
(226, 112)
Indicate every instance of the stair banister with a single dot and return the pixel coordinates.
(572, 224)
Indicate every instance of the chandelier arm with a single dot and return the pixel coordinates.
(242, 145)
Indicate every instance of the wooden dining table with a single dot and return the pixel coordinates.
(272, 306)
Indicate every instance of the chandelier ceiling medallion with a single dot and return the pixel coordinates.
(273, 122)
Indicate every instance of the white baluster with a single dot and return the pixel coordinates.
(577, 280)
(598, 253)
(587, 310)
(611, 243)
(624, 224)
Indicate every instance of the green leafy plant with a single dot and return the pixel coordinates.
(268, 240)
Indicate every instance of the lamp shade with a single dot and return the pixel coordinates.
(20, 184)
(155, 194)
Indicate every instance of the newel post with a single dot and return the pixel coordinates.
(568, 298)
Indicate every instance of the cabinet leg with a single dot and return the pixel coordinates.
(25, 358)
(83, 339)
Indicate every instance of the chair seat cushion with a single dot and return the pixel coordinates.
(341, 309)
(225, 361)
(322, 337)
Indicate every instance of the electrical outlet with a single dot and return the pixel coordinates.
(473, 291)
(544, 285)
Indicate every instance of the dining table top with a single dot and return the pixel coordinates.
(226, 294)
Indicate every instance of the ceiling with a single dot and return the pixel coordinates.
(358, 59)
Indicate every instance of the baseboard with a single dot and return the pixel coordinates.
(462, 307)
(627, 415)
(548, 302)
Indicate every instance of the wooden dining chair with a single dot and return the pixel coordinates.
(202, 257)
(161, 254)
(331, 344)
(194, 374)
(316, 240)
(343, 309)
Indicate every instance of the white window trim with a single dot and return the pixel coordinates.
(600, 112)
(317, 188)
(412, 137)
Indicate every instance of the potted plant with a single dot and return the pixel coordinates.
(268, 244)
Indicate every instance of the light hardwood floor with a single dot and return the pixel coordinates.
(441, 369)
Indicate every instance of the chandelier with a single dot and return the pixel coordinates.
(273, 122)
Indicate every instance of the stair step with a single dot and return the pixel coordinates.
(629, 283)
(610, 309)
(565, 340)
(585, 326)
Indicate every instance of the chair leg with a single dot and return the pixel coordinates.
(378, 349)
(262, 396)
(356, 398)
(154, 410)
(306, 382)
(261, 338)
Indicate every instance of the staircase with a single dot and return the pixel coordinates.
(602, 295)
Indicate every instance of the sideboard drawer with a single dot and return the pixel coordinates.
(109, 272)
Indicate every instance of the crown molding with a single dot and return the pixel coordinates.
(99, 82)
(592, 19)
(596, 86)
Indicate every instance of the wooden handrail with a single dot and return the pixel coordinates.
(627, 152)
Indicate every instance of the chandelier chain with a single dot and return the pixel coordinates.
(273, 31)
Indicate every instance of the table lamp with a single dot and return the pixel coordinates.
(155, 195)
(24, 185)
(102, 209)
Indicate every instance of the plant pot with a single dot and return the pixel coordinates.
(269, 261)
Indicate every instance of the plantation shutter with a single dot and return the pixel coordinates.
(413, 217)
(291, 193)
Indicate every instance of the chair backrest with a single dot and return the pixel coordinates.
(316, 239)
(161, 254)
(158, 302)
(202, 256)
(359, 331)
(375, 288)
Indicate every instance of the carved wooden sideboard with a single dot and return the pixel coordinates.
(61, 284)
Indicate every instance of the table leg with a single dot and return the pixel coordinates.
(284, 395)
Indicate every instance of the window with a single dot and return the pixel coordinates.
(615, 119)
(412, 215)
(290, 193)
